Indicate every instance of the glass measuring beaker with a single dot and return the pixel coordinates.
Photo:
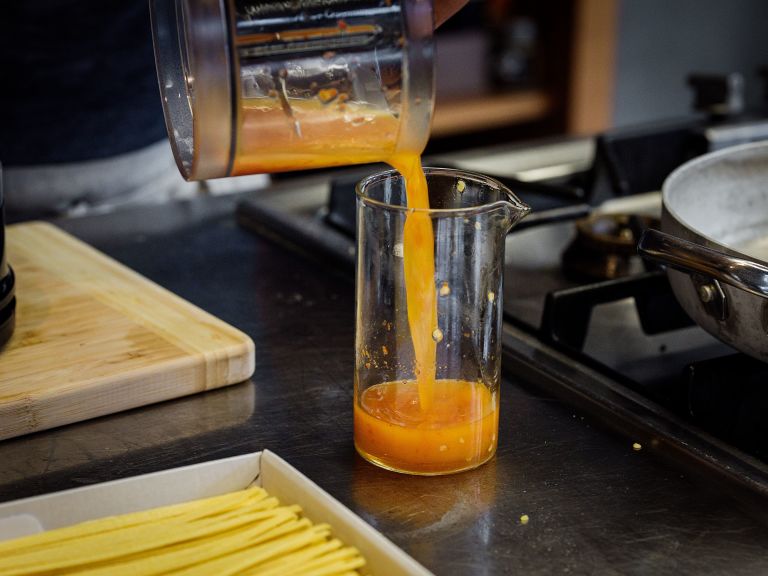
(450, 422)
(261, 86)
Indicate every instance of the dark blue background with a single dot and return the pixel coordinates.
(77, 80)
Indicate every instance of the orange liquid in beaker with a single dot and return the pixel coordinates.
(457, 432)
(428, 426)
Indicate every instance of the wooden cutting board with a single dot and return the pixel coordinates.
(93, 337)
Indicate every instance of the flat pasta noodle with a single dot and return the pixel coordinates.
(244, 532)
(246, 561)
(160, 561)
(284, 564)
(345, 560)
(186, 509)
(132, 540)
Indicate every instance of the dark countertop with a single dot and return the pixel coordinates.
(595, 504)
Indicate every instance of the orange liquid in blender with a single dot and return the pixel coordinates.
(310, 134)
(426, 426)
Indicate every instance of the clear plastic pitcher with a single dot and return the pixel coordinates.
(262, 86)
(449, 423)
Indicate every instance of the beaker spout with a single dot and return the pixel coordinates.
(516, 210)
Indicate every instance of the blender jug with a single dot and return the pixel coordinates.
(253, 86)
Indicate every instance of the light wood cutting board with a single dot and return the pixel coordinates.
(93, 337)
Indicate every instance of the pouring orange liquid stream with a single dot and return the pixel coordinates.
(424, 426)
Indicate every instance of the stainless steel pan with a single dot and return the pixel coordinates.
(714, 241)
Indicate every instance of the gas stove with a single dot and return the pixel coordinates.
(584, 317)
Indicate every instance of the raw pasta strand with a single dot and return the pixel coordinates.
(344, 559)
(162, 560)
(231, 500)
(245, 532)
(247, 559)
(131, 540)
(283, 565)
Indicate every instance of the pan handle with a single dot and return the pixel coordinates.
(674, 252)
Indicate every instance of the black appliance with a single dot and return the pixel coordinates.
(7, 280)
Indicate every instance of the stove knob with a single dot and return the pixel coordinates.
(719, 95)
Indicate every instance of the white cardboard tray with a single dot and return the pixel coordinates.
(265, 469)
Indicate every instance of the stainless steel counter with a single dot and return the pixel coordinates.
(595, 505)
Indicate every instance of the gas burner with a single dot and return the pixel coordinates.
(605, 246)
